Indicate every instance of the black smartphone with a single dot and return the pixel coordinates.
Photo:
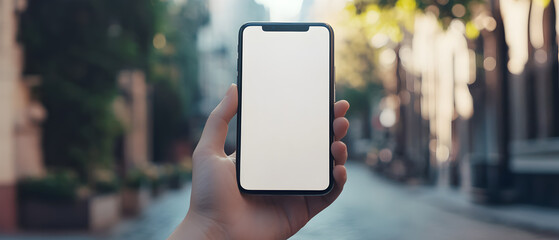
(285, 114)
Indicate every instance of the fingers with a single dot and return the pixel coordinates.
(340, 178)
(340, 125)
(340, 108)
(317, 204)
(339, 151)
(215, 131)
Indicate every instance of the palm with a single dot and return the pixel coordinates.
(215, 194)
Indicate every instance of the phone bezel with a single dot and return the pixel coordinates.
(281, 26)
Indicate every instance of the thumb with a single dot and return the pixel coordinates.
(215, 131)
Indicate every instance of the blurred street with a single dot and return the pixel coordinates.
(454, 114)
(374, 208)
(370, 208)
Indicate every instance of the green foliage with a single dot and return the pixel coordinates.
(160, 177)
(78, 47)
(104, 187)
(361, 98)
(357, 73)
(136, 178)
(179, 174)
(182, 171)
(58, 186)
(105, 181)
(174, 73)
(169, 123)
(357, 60)
(444, 10)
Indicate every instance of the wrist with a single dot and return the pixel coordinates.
(196, 226)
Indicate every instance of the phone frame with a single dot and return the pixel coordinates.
(282, 26)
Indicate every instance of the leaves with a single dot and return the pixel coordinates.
(401, 12)
(78, 47)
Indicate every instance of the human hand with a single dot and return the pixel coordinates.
(217, 208)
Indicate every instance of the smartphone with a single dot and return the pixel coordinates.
(286, 99)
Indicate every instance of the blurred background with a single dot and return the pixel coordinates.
(454, 114)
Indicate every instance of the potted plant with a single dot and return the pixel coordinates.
(180, 174)
(105, 203)
(159, 178)
(59, 201)
(50, 202)
(136, 194)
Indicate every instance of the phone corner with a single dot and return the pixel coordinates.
(242, 189)
(327, 26)
(329, 188)
(246, 25)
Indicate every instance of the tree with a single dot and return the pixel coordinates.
(77, 47)
(174, 73)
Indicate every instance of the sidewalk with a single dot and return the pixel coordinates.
(531, 218)
(371, 207)
(157, 222)
(374, 207)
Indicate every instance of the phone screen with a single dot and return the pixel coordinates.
(285, 108)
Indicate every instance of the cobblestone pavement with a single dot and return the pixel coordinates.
(369, 208)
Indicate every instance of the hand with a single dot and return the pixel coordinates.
(219, 211)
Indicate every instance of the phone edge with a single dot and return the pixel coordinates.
(331, 100)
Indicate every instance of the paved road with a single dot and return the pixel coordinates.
(369, 208)
(374, 208)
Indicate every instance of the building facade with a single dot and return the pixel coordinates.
(480, 114)
(20, 119)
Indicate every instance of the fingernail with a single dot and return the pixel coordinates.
(229, 91)
(231, 88)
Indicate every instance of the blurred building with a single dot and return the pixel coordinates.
(217, 46)
(22, 114)
(132, 108)
(21, 118)
(479, 114)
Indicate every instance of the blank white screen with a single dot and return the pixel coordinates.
(285, 115)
